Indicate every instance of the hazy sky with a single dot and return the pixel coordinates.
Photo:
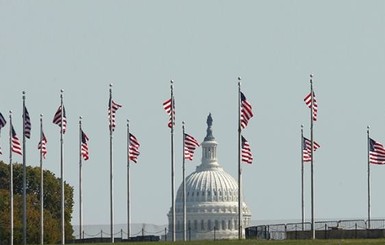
(82, 46)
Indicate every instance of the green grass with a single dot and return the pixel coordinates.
(262, 242)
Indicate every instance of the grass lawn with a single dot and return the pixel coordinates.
(262, 242)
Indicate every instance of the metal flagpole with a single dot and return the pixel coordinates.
(172, 162)
(239, 162)
(11, 175)
(24, 179)
(80, 181)
(111, 174)
(184, 184)
(41, 184)
(312, 158)
(62, 170)
(368, 177)
(302, 182)
(128, 182)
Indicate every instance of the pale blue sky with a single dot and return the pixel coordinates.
(82, 46)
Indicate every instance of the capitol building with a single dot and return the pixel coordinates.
(211, 199)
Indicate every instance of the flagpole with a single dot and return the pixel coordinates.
(11, 175)
(312, 158)
(62, 169)
(184, 184)
(41, 184)
(172, 162)
(80, 181)
(24, 179)
(111, 174)
(239, 162)
(302, 181)
(128, 181)
(368, 128)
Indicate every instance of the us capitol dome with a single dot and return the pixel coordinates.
(211, 199)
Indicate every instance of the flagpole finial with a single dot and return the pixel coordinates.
(311, 76)
(23, 94)
(110, 85)
(10, 112)
(80, 117)
(41, 115)
(301, 126)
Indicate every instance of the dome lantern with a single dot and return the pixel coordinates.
(209, 149)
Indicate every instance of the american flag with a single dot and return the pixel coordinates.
(42, 146)
(84, 146)
(247, 156)
(2, 124)
(112, 108)
(27, 123)
(376, 152)
(315, 106)
(190, 144)
(169, 107)
(246, 111)
(57, 119)
(306, 149)
(133, 148)
(2, 121)
(15, 143)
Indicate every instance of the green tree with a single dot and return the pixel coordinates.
(52, 205)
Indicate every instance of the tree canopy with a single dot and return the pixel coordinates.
(52, 205)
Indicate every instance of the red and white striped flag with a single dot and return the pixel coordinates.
(315, 106)
(190, 144)
(57, 119)
(133, 148)
(27, 123)
(15, 143)
(2, 124)
(306, 149)
(84, 146)
(112, 108)
(376, 152)
(246, 111)
(42, 146)
(247, 156)
(169, 107)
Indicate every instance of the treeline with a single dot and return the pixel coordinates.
(52, 205)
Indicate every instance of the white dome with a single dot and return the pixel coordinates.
(209, 186)
(211, 199)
